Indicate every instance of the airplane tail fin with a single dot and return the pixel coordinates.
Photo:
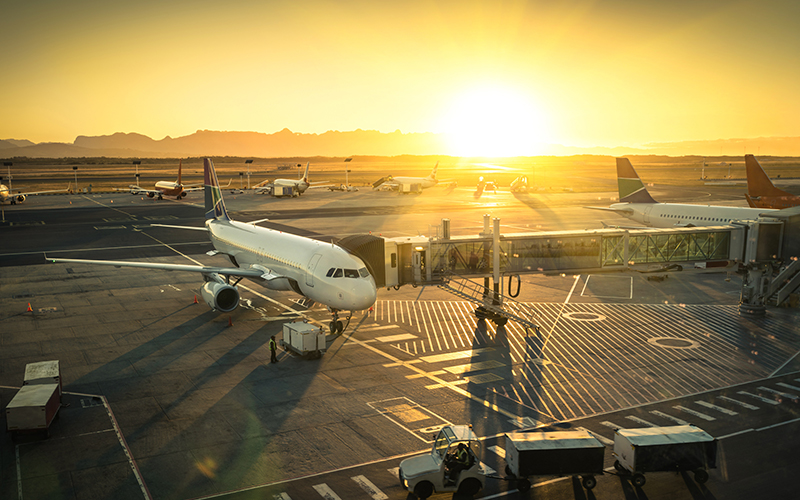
(758, 182)
(180, 166)
(304, 178)
(433, 172)
(631, 187)
(215, 206)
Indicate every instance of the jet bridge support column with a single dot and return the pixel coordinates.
(755, 282)
(487, 230)
(496, 261)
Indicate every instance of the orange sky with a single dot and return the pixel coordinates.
(499, 77)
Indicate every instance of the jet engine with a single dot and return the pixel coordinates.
(220, 296)
(19, 198)
(150, 194)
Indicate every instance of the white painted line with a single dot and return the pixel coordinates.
(134, 466)
(325, 492)
(737, 402)
(440, 386)
(395, 471)
(374, 328)
(396, 338)
(634, 418)
(473, 367)
(779, 393)
(282, 496)
(500, 452)
(455, 355)
(695, 413)
(726, 436)
(611, 425)
(677, 420)
(778, 425)
(788, 386)
(718, 408)
(760, 398)
(19, 474)
(597, 436)
(370, 488)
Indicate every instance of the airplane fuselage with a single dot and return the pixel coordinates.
(298, 185)
(677, 214)
(424, 182)
(323, 272)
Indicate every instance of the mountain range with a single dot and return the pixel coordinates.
(358, 142)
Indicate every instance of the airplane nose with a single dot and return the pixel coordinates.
(364, 296)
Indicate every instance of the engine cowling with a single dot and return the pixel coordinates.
(220, 296)
(20, 198)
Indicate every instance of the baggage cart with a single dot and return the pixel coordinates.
(33, 409)
(44, 372)
(559, 453)
(656, 449)
(304, 339)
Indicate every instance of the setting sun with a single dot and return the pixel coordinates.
(493, 121)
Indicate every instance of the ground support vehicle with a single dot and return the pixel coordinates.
(304, 339)
(655, 449)
(559, 453)
(430, 473)
(33, 409)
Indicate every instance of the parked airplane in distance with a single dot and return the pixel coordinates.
(19, 197)
(408, 184)
(296, 186)
(166, 188)
(322, 272)
(637, 205)
(761, 192)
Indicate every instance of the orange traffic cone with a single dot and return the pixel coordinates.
(230, 321)
(195, 298)
(30, 309)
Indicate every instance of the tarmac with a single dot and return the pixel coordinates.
(166, 399)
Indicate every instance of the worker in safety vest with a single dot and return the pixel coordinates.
(272, 348)
(458, 463)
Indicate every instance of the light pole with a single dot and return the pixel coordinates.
(9, 165)
(137, 163)
(75, 170)
(248, 162)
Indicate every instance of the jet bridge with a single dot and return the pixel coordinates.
(765, 250)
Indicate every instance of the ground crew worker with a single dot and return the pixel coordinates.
(459, 463)
(272, 348)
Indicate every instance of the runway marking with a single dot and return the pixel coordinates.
(395, 471)
(641, 421)
(737, 402)
(718, 408)
(370, 488)
(100, 228)
(788, 386)
(325, 492)
(131, 216)
(611, 425)
(454, 355)
(282, 496)
(779, 393)
(566, 301)
(483, 378)
(497, 450)
(760, 398)
(420, 375)
(669, 417)
(697, 414)
(473, 367)
(395, 338)
(599, 437)
(441, 386)
(408, 410)
(779, 424)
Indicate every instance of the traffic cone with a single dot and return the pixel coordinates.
(195, 298)
(30, 309)
(230, 320)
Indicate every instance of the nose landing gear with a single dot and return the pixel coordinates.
(336, 325)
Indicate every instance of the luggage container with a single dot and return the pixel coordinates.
(560, 453)
(44, 372)
(304, 339)
(33, 409)
(657, 449)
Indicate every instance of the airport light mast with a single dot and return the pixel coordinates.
(137, 163)
(75, 170)
(248, 163)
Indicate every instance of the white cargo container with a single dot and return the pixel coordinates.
(44, 372)
(304, 339)
(33, 408)
(674, 448)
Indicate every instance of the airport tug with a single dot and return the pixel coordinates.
(433, 472)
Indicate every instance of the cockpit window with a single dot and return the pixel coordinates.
(330, 272)
(350, 273)
(338, 273)
(363, 272)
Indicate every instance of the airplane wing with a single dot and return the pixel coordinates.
(254, 272)
(621, 211)
(140, 190)
(197, 188)
(195, 228)
(11, 194)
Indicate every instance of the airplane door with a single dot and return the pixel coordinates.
(646, 215)
(312, 265)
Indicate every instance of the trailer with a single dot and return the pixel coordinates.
(659, 449)
(44, 372)
(33, 409)
(304, 339)
(558, 453)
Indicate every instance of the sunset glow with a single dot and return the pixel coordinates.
(495, 77)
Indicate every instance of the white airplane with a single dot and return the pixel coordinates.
(418, 183)
(322, 272)
(19, 197)
(299, 186)
(166, 188)
(637, 204)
